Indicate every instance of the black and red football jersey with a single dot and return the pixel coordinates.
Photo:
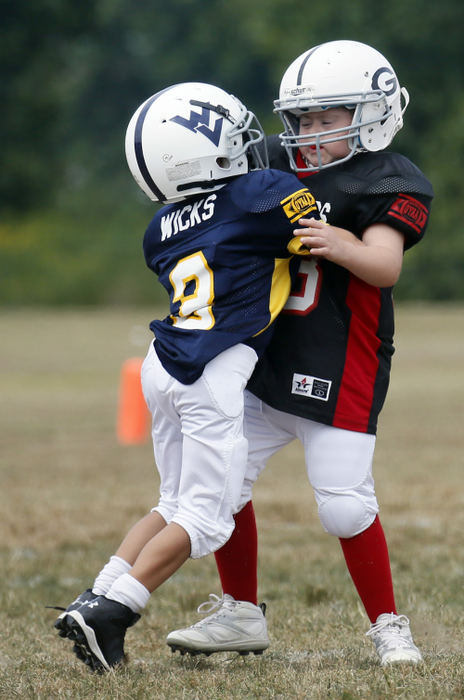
(329, 359)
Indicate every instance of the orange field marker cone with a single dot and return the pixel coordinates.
(133, 419)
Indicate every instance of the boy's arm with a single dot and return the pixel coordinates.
(376, 259)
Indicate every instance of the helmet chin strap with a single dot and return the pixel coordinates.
(219, 109)
(205, 184)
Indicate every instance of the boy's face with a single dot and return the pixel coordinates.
(325, 120)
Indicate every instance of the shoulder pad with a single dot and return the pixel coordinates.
(383, 173)
(263, 190)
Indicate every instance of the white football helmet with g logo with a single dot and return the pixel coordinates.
(341, 74)
(191, 138)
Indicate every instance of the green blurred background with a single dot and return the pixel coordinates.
(72, 74)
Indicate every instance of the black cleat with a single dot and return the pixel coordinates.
(98, 629)
(60, 623)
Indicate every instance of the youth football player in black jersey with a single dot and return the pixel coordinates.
(224, 250)
(324, 376)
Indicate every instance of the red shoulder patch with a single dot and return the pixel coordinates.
(410, 211)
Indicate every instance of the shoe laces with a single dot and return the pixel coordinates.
(214, 603)
(391, 629)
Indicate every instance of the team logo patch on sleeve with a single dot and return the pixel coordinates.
(410, 211)
(311, 387)
(299, 204)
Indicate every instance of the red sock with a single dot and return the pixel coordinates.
(368, 562)
(237, 560)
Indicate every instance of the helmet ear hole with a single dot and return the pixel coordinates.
(223, 163)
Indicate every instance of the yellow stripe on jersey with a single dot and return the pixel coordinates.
(299, 204)
(280, 289)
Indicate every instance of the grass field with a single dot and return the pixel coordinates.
(68, 492)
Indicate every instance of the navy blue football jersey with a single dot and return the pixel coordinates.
(226, 261)
(330, 355)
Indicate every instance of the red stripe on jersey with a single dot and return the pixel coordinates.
(410, 211)
(356, 393)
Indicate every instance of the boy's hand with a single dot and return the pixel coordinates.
(324, 240)
(377, 259)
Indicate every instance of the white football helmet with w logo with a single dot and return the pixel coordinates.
(341, 74)
(192, 138)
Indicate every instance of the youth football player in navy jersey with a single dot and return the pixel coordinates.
(224, 249)
(324, 376)
(222, 274)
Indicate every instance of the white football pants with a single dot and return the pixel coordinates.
(199, 445)
(338, 463)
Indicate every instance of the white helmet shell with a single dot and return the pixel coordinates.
(342, 74)
(191, 138)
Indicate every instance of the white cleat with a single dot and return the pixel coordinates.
(235, 626)
(393, 641)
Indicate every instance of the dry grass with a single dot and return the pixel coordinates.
(68, 492)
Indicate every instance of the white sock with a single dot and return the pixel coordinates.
(112, 570)
(130, 592)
